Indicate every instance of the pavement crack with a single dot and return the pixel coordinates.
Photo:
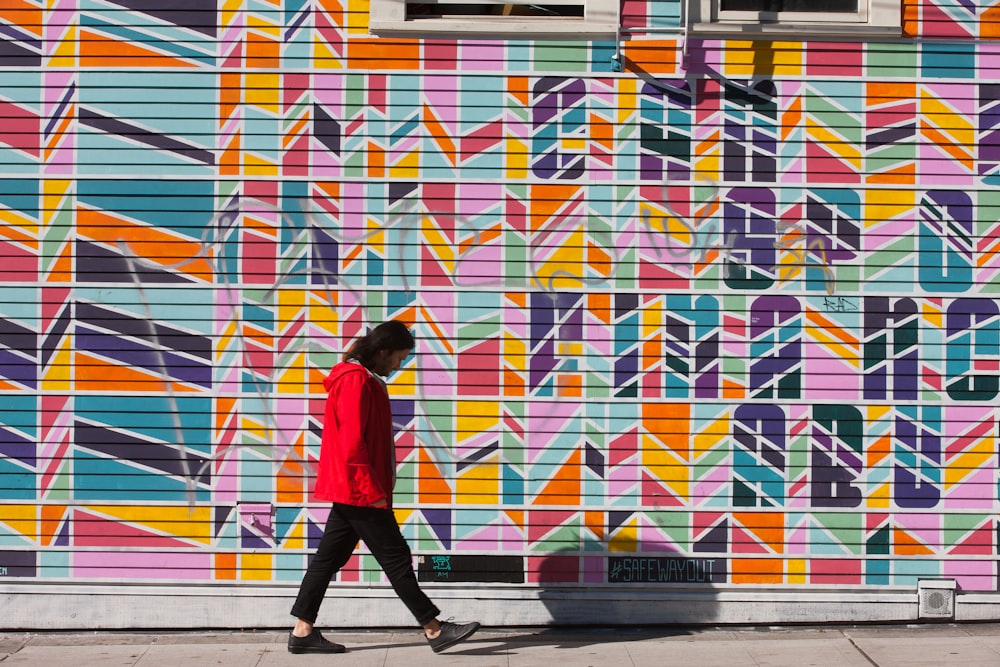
(860, 650)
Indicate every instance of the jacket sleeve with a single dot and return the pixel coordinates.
(352, 405)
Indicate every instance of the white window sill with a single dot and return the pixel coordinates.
(794, 30)
(557, 28)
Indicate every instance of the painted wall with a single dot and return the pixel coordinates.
(726, 319)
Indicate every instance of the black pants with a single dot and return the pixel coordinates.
(378, 529)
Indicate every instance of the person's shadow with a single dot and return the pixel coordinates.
(632, 598)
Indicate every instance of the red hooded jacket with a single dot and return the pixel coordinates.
(357, 461)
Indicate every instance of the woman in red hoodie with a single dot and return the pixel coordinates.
(357, 471)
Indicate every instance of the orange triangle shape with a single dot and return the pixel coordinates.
(93, 374)
(431, 484)
(96, 50)
(564, 487)
(52, 518)
(907, 545)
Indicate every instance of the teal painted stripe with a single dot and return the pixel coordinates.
(184, 207)
(153, 417)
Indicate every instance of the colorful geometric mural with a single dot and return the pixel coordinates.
(727, 317)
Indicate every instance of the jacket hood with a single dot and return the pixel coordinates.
(341, 369)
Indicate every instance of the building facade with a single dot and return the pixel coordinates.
(705, 296)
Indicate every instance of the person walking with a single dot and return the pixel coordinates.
(357, 472)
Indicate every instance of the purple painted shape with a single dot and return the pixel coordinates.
(132, 353)
(14, 446)
(98, 121)
(716, 540)
(18, 368)
(440, 522)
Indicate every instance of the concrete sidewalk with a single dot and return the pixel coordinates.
(967, 645)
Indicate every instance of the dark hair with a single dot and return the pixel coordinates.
(392, 335)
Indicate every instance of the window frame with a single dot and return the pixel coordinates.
(600, 19)
(873, 18)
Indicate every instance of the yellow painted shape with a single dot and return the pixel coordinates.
(711, 437)
(763, 57)
(665, 466)
(956, 125)
(626, 538)
(407, 166)
(879, 498)
(66, 50)
(59, 373)
(295, 538)
(569, 349)
(796, 571)
(17, 226)
(888, 204)
(658, 222)
(932, 314)
(263, 90)
(257, 166)
(54, 194)
(834, 142)
(226, 339)
(515, 352)
(564, 268)
(256, 567)
(444, 249)
(230, 10)
(877, 412)
(652, 318)
(971, 460)
(291, 302)
(479, 484)
(627, 104)
(251, 427)
(375, 237)
(294, 377)
(707, 165)
(262, 25)
(516, 155)
(404, 382)
(846, 352)
(22, 519)
(182, 522)
(357, 17)
(475, 417)
(324, 56)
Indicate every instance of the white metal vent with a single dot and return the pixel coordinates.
(936, 598)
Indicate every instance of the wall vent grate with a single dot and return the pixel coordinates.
(936, 598)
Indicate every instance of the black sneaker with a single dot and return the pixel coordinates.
(451, 634)
(314, 642)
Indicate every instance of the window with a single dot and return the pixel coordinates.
(855, 18)
(554, 18)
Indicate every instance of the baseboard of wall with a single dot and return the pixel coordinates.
(59, 606)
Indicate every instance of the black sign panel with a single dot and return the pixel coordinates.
(471, 568)
(666, 570)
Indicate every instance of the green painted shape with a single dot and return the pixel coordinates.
(675, 524)
(958, 526)
(564, 538)
(560, 56)
(887, 59)
(845, 527)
